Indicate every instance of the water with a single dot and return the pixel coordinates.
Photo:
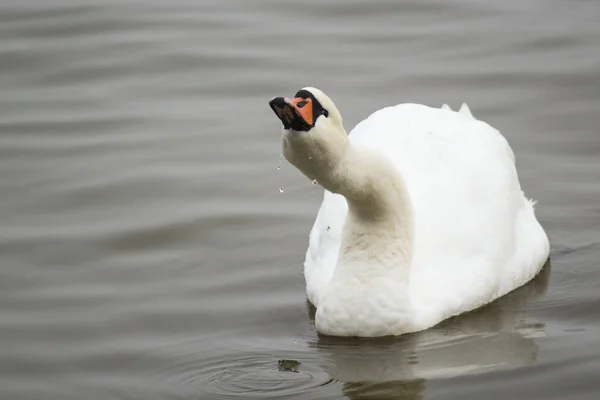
(146, 253)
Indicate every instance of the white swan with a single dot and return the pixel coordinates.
(423, 216)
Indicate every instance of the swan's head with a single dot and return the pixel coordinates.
(310, 110)
(314, 136)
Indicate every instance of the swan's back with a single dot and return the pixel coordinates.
(476, 235)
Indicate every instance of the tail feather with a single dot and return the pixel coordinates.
(464, 110)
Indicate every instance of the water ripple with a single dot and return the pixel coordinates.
(241, 370)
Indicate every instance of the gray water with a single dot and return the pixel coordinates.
(147, 253)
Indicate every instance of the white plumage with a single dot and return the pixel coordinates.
(460, 234)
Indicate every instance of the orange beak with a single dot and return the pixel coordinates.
(296, 114)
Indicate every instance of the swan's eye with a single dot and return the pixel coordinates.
(301, 103)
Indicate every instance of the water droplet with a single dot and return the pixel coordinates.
(279, 162)
(310, 157)
(328, 228)
(314, 182)
(281, 189)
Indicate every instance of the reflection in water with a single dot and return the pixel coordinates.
(405, 390)
(497, 336)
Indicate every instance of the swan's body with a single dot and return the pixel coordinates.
(423, 218)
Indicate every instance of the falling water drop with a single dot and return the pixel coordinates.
(279, 162)
(328, 228)
(314, 182)
(281, 189)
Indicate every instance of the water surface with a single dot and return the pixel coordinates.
(147, 253)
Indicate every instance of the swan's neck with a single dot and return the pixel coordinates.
(378, 232)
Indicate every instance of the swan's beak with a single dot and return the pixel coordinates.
(295, 114)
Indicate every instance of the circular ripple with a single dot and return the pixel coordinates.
(238, 372)
(255, 374)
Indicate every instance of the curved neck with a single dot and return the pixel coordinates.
(379, 228)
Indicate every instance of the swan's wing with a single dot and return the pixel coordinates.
(465, 111)
(476, 234)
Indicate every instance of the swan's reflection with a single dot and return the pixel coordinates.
(495, 337)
